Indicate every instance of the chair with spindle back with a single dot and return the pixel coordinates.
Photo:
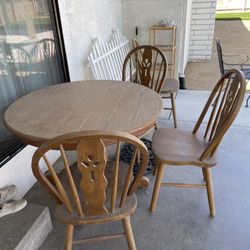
(95, 190)
(176, 147)
(151, 66)
(145, 65)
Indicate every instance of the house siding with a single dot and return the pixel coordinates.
(202, 29)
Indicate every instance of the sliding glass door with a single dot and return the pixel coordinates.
(31, 56)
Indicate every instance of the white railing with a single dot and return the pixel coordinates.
(106, 58)
(241, 5)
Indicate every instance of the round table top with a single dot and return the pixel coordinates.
(80, 106)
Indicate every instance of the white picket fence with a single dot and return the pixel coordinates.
(106, 58)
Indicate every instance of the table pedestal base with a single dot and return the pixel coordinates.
(144, 182)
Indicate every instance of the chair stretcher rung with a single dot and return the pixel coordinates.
(98, 238)
(183, 185)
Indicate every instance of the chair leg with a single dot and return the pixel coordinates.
(210, 192)
(157, 187)
(247, 101)
(174, 109)
(170, 113)
(204, 174)
(69, 237)
(129, 233)
(156, 167)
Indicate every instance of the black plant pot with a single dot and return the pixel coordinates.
(182, 82)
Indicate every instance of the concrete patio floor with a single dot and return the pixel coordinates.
(181, 220)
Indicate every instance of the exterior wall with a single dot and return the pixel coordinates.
(18, 171)
(146, 13)
(83, 21)
(202, 29)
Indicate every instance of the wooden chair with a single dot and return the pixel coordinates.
(176, 147)
(94, 190)
(171, 88)
(144, 58)
(145, 65)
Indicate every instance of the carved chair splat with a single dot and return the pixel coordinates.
(96, 189)
(150, 67)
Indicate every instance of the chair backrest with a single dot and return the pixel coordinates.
(44, 49)
(150, 67)
(84, 193)
(220, 56)
(225, 102)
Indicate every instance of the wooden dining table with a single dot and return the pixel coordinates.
(81, 106)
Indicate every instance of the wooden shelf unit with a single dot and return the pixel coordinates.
(168, 49)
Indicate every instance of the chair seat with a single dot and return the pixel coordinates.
(127, 209)
(120, 213)
(177, 147)
(170, 86)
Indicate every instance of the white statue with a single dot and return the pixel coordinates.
(7, 205)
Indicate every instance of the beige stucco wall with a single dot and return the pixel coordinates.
(83, 21)
(144, 14)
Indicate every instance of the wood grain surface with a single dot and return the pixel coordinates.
(82, 106)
